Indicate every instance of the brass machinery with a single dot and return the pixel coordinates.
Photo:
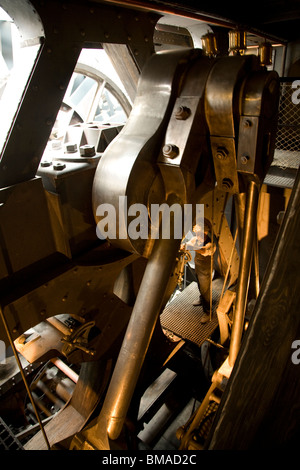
(220, 111)
(200, 128)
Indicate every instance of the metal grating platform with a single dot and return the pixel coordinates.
(282, 173)
(8, 441)
(183, 319)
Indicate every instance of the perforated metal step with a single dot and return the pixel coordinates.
(183, 319)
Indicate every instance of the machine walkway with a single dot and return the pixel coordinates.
(183, 319)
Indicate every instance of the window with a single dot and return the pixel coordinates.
(16, 61)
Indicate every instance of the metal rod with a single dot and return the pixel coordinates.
(256, 264)
(137, 338)
(65, 369)
(212, 256)
(244, 270)
(229, 265)
(283, 62)
(240, 203)
(23, 377)
(169, 10)
(200, 16)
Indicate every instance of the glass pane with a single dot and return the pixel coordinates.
(109, 110)
(16, 63)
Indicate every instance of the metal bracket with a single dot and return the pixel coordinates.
(78, 340)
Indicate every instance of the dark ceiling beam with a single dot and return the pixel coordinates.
(226, 16)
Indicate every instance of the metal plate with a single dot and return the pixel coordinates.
(183, 319)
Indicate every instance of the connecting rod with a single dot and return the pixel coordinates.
(249, 231)
(137, 338)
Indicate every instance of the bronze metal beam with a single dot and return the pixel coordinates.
(244, 270)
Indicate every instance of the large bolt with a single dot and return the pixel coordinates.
(182, 113)
(70, 148)
(45, 163)
(87, 151)
(56, 144)
(58, 166)
(170, 151)
(227, 184)
(222, 153)
(244, 159)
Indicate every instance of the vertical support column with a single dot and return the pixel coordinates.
(244, 270)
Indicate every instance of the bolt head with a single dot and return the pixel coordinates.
(58, 166)
(56, 144)
(227, 184)
(222, 153)
(45, 164)
(244, 159)
(87, 151)
(70, 147)
(182, 113)
(170, 151)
